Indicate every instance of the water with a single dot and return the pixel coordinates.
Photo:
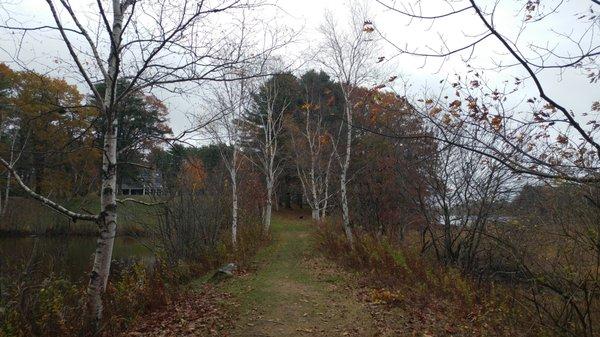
(65, 257)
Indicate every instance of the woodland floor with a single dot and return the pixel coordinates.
(290, 291)
(295, 292)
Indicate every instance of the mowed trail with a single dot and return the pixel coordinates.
(294, 292)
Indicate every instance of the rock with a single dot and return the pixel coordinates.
(224, 272)
(228, 269)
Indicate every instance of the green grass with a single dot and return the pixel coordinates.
(294, 289)
(277, 262)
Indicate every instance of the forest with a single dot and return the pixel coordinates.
(385, 168)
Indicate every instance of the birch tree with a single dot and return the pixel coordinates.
(347, 55)
(5, 92)
(231, 99)
(311, 143)
(265, 125)
(313, 159)
(12, 159)
(150, 44)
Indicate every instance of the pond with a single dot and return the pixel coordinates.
(68, 257)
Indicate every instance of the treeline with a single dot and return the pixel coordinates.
(52, 134)
(283, 142)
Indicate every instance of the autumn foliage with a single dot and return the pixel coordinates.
(49, 130)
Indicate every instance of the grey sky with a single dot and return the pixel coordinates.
(44, 52)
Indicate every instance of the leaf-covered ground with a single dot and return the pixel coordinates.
(196, 313)
(290, 291)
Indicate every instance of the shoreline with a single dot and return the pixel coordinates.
(18, 234)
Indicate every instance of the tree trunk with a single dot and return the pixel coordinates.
(107, 222)
(267, 220)
(234, 203)
(314, 204)
(325, 199)
(108, 227)
(4, 207)
(345, 211)
(8, 179)
(316, 215)
(6, 196)
(268, 207)
(343, 179)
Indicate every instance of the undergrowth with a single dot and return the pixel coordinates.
(434, 299)
(48, 305)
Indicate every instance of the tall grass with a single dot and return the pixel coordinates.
(441, 298)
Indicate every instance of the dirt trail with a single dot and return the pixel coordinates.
(296, 293)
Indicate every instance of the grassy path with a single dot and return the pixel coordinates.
(296, 293)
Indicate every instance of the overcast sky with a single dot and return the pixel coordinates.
(42, 51)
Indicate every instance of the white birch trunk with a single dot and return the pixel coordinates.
(268, 207)
(314, 204)
(316, 214)
(6, 196)
(272, 125)
(4, 207)
(108, 196)
(108, 227)
(347, 56)
(343, 178)
(234, 213)
(234, 199)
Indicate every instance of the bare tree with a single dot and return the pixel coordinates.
(148, 44)
(267, 124)
(348, 55)
(313, 156)
(541, 137)
(465, 192)
(232, 99)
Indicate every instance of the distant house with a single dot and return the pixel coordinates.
(468, 221)
(148, 182)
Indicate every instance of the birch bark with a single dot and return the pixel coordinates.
(234, 197)
(344, 179)
(347, 54)
(107, 221)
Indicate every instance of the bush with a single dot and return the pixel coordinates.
(49, 308)
(54, 306)
(447, 301)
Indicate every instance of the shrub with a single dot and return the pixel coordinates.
(54, 306)
(442, 296)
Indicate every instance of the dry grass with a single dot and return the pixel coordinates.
(414, 295)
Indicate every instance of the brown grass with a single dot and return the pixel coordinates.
(427, 298)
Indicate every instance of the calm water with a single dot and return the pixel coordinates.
(69, 257)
